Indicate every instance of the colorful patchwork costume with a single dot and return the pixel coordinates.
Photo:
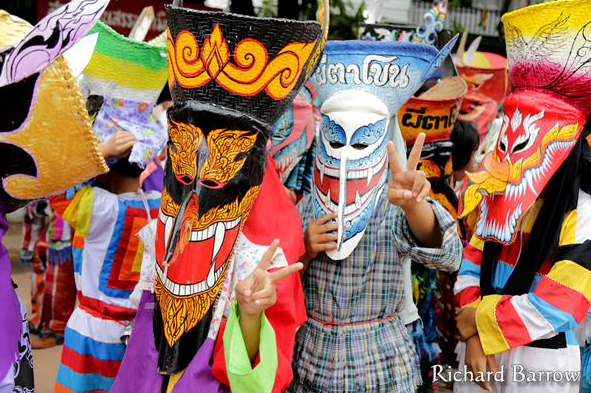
(355, 339)
(39, 97)
(125, 77)
(527, 269)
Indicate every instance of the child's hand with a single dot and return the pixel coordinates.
(258, 291)
(318, 236)
(478, 362)
(466, 323)
(118, 146)
(408, 186)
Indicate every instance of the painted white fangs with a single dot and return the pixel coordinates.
(219, 231)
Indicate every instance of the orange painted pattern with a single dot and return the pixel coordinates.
(250, 73)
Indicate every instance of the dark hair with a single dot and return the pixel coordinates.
(94, 104)
(164, 95)
(465, 141)
(125, 168)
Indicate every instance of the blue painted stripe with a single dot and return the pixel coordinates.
(469, 269)
(561, 321)
(80, 383)
(87, 346)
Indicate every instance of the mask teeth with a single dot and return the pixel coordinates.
(321, 169)
(369, 175)
(357, 200)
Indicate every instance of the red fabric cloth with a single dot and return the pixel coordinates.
(274, 216)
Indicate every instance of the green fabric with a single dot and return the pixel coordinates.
(115, 45)
(243, 379)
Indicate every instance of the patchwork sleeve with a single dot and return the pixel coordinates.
(558, 303)
(467, 287)
(445, 258)
(76, 210)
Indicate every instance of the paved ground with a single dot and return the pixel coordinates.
(46, 360)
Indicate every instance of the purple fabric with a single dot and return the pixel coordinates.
(139, 369)
(10, 315)
(154, 182)
(198, 374)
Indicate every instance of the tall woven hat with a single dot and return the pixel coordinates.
(543, 118)
(435, 112)
(486, 74)
(393, 71)
(46, 141)
(549, 50)
(129, 75)
(254, 66)
(122, 68)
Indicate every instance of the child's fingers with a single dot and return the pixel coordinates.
(285, 272)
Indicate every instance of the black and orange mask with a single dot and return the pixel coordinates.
(230, 77)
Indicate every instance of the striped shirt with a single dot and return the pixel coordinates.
(560, 295)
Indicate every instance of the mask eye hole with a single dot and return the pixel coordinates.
(359, 146)
(520, 146)
(336, 145)
(240, 157)
(502, 146)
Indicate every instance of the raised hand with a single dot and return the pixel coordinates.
(408, 186)
(258, 292)
(319, 236)
(118, 146)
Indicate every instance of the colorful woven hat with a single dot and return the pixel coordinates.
(46, 139)
(434, 112)
(486, 75)
(392, 70)
(122, 68)
(130, 76)
(211, 60)
(544, 116)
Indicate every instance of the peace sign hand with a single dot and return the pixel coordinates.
(258, 292)
(408, 186)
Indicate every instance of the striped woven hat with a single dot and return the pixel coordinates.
(121, 68)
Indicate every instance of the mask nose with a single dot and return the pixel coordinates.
(342, 199)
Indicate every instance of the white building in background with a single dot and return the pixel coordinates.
(223, 4)
(481, 19)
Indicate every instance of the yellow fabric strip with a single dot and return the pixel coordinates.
(144, 78)
(477, 243)
(568, 235)
(491, 335)
(174, 379)
(79, 212)
(572, 275)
